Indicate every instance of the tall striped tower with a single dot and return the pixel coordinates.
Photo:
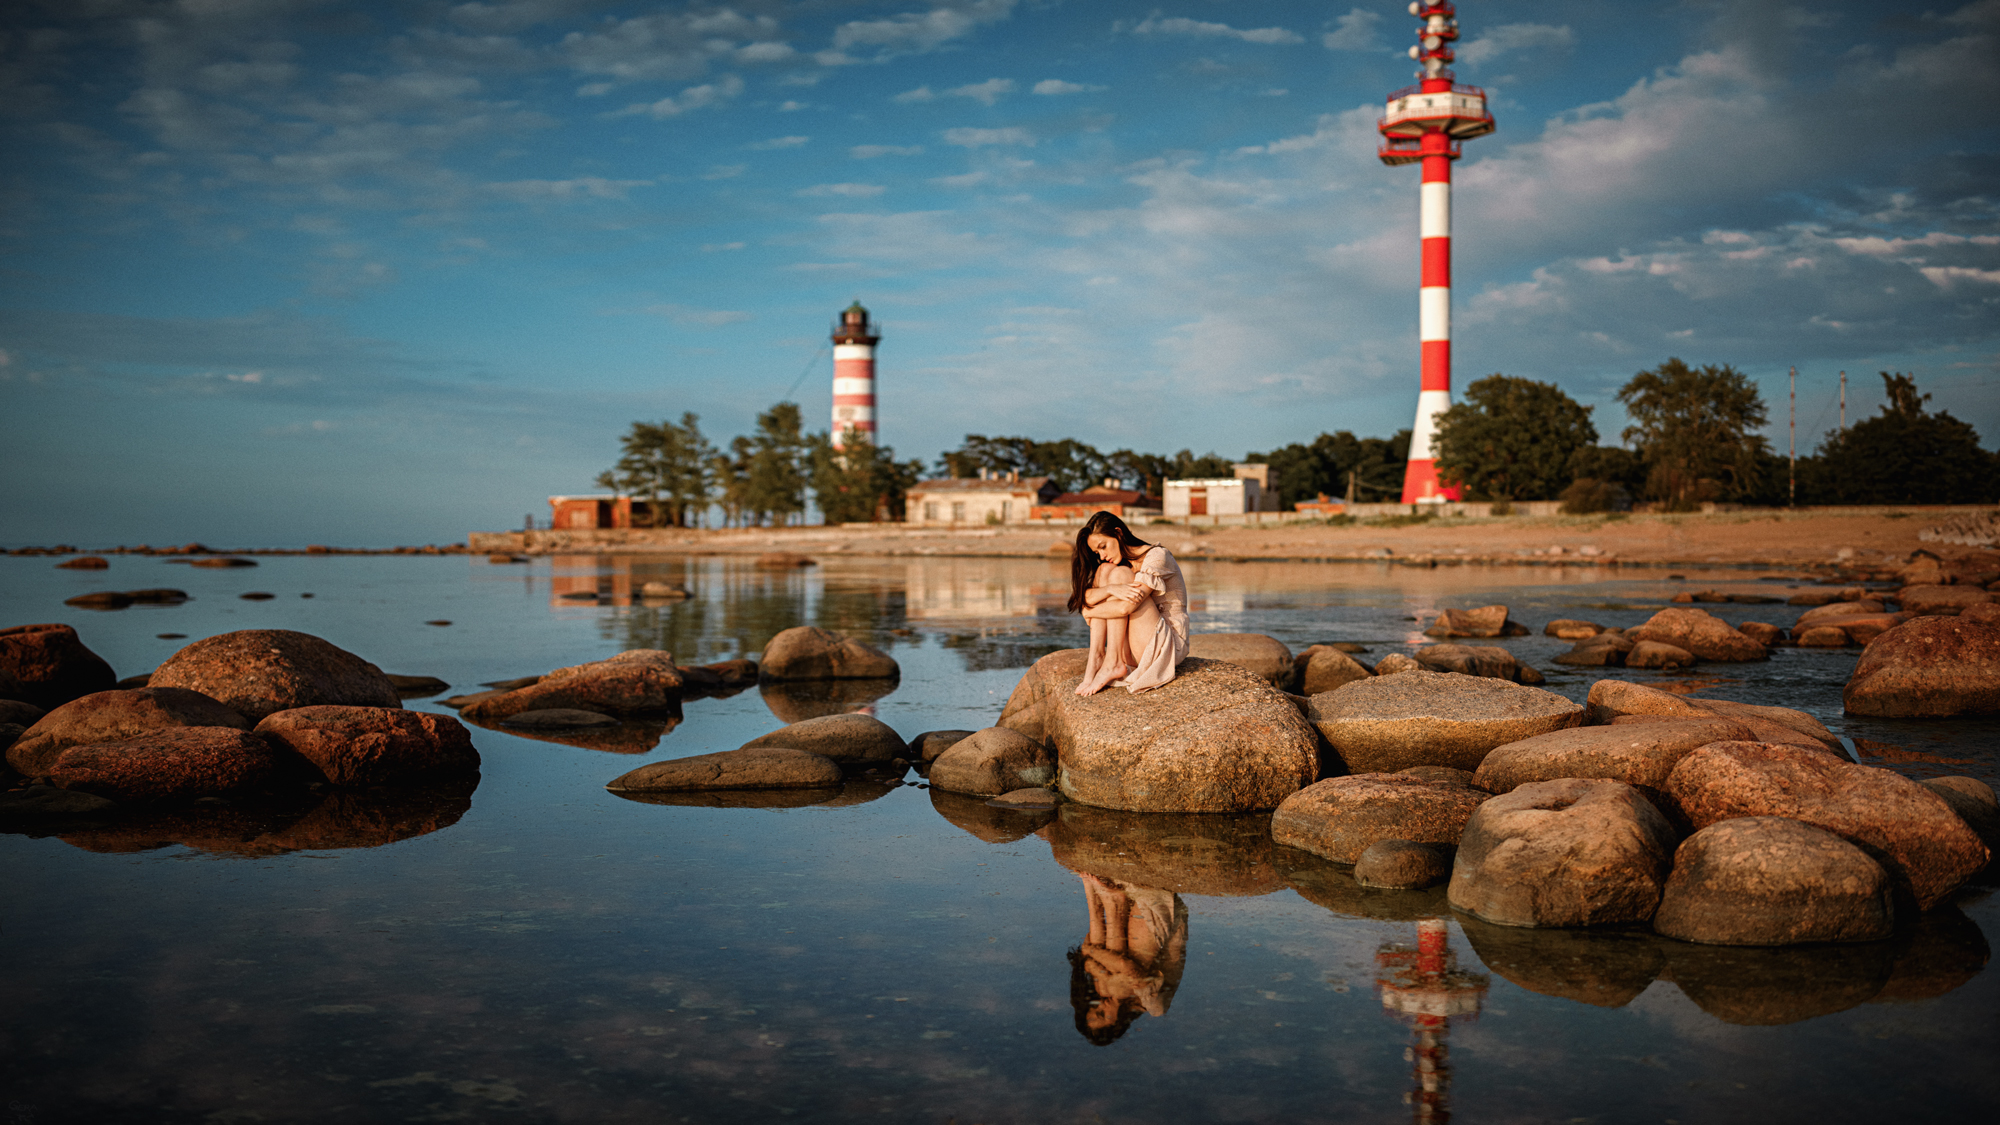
(1424, 124)
(854, 342)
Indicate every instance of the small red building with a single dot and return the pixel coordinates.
(590, 513)
(1125, 503)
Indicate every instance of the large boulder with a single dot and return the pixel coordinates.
(1930, 668)
(363, 746)
(1640, 754)
(1701, 633)
(1940, 601)
(991, 762)
(808, 653)
(1767, 880)
(47, 665)
(1340, 817)
(1031, 703)
(1476, 660)
(1323, 667)
(170, 764)
(1264, 655)
(113, 716)
(1215, 738)
(636, 682)
(768, 767)
(1974, 802)
(1187, 853)
(1910, 830)
(1486, 621)
(1388, 723)
(259, 672)
(854, 741)
(1573, 852)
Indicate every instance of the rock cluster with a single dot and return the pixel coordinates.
(1387, 723)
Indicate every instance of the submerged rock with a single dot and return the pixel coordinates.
(170, 764)
(854, 741)
(764, 767)
(1930, 668)
(991, 762)
(1766, 880)
(634, 682)
(1339, 818)
(808, 653)
(1266, 656)
(1571, 629)
(1403, 865)
(1572, 852)
(259, 672)
(1486, 621)
(1701, 633)
(47, 665)
(360, 746)
(113, 716)
(1433, 718)
(1216, 738)
(1491, 661)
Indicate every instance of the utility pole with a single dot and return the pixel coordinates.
(1792, 442)
(1843, 402)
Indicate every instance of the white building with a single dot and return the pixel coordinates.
(989, 499)
(1248, 491)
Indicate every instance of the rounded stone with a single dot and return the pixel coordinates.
(1422, 718)
(1032, 701)
(362, 746)
(1340, 817)
(808, 653)
(641, 681)
(259, 672)
(1822, 636)
(991, 762)
(1572, 852)
(171, 764)
(1477, 660)
(757, 767)
(1266, 656)
(1701, 633)
(1766, 880)
(1571, 629)
(1639, 754)
(1654, 654)
(1323, 667)
(928, 745)
(48, 665)
(1402, 865)
(851, 740)
(114, 716)
(1929, 668)
(1485, 621)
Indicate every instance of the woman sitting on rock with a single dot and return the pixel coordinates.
(1133, 595)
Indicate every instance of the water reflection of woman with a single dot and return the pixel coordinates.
(1132, 594)
(1132, 960)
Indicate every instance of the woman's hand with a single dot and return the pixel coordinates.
(1130, 592)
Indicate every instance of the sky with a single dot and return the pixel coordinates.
(276, 272)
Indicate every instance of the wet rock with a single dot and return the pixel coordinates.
(1866, 627)
(1397, 663)
(851, 740)
(1403, 865)
(1486, 621)
(1973, 800)
(559, 718)
(1701, 633)
(85, 562)
(1571, 629)
(1605, 650)
(991, 762)
(47, 665)
(795, 701)
(1641, 755)
(1756, 986)
(1986, 613)
(1216, 738)
(1340, 817)
(1266, 656)
(1766, 635)
(1572, 852)
(1610, 699)
(1433, 718)
(1766, 880)
(358, 746)
(41, 808)
(982, 820)
(1940, 601)
(1186, 853)
(22, 714)
(169, 764)
(225, 563)
(1477, 660)
(1837, 612)
(417, 687)
(1440, 773)
(728, 673)
(1323, 667)
(1602, 968)
(766, 767)
(1822, 636)
(259, 672)
(1654, 654)
(807, 653)
(100, 599)
(1930, 668)
(460, 702)
(1907, 828)
(1030, 705)
(114, 716)
(928, 745)
(635, 682)
(1031, 798)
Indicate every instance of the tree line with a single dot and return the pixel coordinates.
(1693, 439)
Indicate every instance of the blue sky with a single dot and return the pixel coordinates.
(287, 271)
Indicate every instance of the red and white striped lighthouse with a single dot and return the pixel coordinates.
(854, 342)
(1424, 124)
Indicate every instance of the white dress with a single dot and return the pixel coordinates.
(1160, 574)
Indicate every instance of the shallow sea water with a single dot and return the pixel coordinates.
(544, 950)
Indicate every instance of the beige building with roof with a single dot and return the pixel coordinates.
(988, 499)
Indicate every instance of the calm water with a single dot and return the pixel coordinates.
(547, 951)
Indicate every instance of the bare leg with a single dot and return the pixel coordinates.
(1096, 658)
(1113, 614)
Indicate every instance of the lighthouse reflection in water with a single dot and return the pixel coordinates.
(1424, 988)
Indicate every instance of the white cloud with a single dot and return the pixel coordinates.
(789, 106)
(712, 247)
(963, 180)
(706, 95)
(870, 152)
(725, 171)
(851, 191)
(975, 138)
(1355, 31)
(1945, 276)
(583, 187)
(1508, 38)
(911, 33)
(920, 94)
(1055, 87)
(669, 46)
(1177, 25)
(767, 51)
(986, 92)
(777, 143)
(697, 318)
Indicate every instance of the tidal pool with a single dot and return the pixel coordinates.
(538, 949)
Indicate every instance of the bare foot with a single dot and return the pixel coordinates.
(1089, 675)
(1105, 675)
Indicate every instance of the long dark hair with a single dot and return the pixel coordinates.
(1083, 561)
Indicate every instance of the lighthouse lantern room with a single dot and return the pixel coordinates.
(1425, 124)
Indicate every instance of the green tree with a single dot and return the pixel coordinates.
(1512, 439)
(1904, 455)
(667, 465)
(775, 486)
(731, 473)
(1696, 429)
(1304, 471)
(859, 482)
(1071, 464)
